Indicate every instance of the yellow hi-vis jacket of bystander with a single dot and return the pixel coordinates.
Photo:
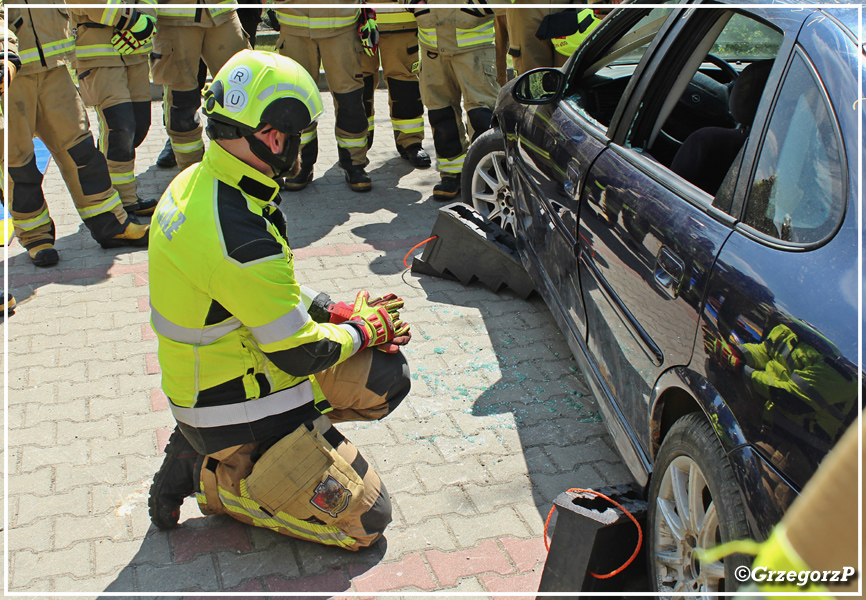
(44, 43)
(452, 31)
(212, 13)
(316, 22)
(237, 346)
(95, 28)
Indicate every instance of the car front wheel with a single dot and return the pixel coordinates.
(694, 502)
(485, 180)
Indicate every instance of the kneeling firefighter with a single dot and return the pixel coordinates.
(257, 367)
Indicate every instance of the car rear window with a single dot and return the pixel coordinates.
(797, 194)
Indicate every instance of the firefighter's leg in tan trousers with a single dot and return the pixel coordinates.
(500, 26)
(340, 57)
(400, 67)
(176, 69)
(443, 81)
(121, 96)
(527, 51)
(313, 484)
(47, 105)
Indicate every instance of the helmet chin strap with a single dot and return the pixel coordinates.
(282, 163)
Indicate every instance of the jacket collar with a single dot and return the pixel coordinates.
(228, 168)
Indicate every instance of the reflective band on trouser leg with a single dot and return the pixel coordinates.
(408, 131)
(108, 205)
(183, 125)
(29, 211)
(247, 511)
(453, 165)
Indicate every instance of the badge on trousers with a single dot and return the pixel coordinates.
(331, 497)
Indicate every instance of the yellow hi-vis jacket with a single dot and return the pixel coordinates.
(44, 42)
(450, 31)
(316, 23)
(95, 28)
(197, 17)
(237, 347)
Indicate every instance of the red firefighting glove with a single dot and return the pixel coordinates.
(728, 355)
(341, 312)
(368, 30)
(133, 31)
(380, 323)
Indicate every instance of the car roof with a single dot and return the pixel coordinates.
(847, 18)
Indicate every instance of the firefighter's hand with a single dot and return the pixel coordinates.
(392, 303)
(368, 30)
(380, 323)
(8, 68)
(133, 32)
(271, 19)
(728, 355)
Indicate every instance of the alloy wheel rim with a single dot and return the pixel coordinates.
(686, 520)
(491, 196)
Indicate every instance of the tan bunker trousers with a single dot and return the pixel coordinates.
(313, 484)
(46, 104)
(177, 51)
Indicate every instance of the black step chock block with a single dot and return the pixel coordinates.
(468, 247)
(593, 536)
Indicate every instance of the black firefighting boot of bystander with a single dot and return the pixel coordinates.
(174, 481)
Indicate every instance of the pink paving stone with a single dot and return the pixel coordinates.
(123, 269)
(92, 273)
(162, 436)
(158, 401)
(526, 554)
(451, 566)
(409, 572)
(519, 583)
(313, 252)
(188, 543)
(348, 249)
(152, 362)
(143, 303)
(140, 279)
(50, 277)
(333, 580)
(147, 332)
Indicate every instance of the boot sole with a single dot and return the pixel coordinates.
(139, 243)
(445, 195)
(49, 261)
(360, 187)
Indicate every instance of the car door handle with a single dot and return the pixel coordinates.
(669, 271)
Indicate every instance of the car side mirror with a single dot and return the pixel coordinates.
(539, 86)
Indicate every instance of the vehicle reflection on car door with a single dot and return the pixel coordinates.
(554, 153)
(645, 255)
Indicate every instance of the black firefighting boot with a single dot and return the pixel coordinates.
(299, 181)
(416, 155)
(142, 208)
(174, 481)
(166, 158)
(357, 178)
(447, 188)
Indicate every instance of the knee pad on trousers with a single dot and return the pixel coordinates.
(350, 111)
(141, 110)
(183, 112)
(405, 99)
(368, 95)
(390, 377)
(446, 133)
(479, 119)
(92, 169)
(120, 121)
(201, 77)
(378, 517)
(27, 196)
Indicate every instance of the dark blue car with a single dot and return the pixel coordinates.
(684, 192)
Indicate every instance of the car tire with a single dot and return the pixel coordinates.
(484, 181)
(694, 502)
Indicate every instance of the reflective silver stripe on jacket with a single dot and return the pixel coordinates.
(281, 328)
(189, 335)
(248, 411)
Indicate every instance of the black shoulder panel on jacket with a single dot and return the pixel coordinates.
(246, 234)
